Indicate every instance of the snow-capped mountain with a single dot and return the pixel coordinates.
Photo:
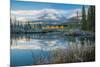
(44, 15)
(52, 15)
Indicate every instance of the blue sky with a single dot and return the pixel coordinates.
(34, 10)
(20, 5)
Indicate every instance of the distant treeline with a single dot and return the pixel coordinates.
(87, 24)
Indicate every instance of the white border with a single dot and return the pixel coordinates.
(4, 33)
(5, 39)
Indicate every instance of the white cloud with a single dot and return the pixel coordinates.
(74, 13)
(34, 12)
(52, 14)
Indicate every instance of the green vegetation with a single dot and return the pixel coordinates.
(83, 26)
(88, 21)
(91, 19)
(83, 20)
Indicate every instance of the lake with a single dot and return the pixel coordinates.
(39, 48)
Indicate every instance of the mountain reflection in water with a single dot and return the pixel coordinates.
(33, 49)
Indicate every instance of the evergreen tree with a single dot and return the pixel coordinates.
(91, 19)
(83, 20)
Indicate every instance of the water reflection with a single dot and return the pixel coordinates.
(50, 48)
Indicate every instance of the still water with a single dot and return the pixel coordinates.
(27, 49)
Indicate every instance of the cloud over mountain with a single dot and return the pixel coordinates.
(45, 14)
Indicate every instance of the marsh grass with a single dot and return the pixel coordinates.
(73, 53)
